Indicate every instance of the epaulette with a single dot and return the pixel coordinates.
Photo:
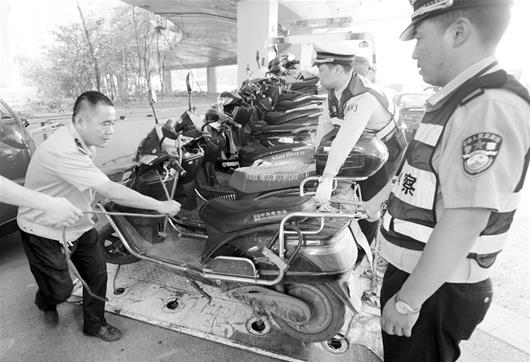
(476, 93)
(80, 147)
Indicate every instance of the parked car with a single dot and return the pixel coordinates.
(16, 148)
(411, 109)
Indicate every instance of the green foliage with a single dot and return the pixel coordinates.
(130, 44)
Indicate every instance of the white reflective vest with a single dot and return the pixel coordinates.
(411, 214)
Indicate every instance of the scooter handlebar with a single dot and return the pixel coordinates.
(176, 165)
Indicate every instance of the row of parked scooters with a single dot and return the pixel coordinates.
(244, 173)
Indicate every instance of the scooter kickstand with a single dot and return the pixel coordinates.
(197, 287)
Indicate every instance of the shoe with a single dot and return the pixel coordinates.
(107, 333)
(49, 317)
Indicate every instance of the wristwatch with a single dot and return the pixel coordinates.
(404, 308)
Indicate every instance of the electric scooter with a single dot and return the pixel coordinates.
(281, 255)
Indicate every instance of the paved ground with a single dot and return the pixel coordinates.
(23, 337)
(503, 336)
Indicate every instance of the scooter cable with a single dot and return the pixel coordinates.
(71, 267)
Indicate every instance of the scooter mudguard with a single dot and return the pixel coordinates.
(342, 289)
(291, 309)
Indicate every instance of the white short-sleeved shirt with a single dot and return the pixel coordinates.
(361, 112)
(497, 115)
(62, 166)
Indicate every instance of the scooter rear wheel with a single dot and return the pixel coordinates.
(327, 313)
(113, 249)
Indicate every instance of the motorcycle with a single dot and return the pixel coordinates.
(278, 254)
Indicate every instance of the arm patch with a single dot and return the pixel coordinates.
(479, 151)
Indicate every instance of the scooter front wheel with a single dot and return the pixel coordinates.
(113, 249)
(327, 313)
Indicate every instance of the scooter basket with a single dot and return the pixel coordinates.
(368, 155)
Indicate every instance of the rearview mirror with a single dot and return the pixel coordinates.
(168, 132)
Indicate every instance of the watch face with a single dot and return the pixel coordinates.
(402, 307)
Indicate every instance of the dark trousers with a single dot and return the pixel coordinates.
(48, 265)
(449, 316)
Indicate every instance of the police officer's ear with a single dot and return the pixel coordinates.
(460, 31)
(80, 120)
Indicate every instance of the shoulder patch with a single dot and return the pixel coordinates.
(351, 108)
(476, 93)
(479, 152)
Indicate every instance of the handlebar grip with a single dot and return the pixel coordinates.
(234, 124)
(176, 165)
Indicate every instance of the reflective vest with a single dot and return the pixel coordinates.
(411, 214)
(357, 87)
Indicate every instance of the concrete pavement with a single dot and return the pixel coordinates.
(23, 337)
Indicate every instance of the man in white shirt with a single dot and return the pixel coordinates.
(356, 107)
(63, 166)
(452, 206)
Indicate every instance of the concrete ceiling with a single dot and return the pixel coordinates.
(209, 26)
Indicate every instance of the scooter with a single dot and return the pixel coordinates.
(280, 255)
(215, 134)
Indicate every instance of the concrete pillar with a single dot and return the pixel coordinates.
(257, 23)
(211, 79)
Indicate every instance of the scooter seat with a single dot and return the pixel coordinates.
(228, 216)
(308, 82)
(273, 176)
(264, 130)
(257, 151)
(302, 101)
(283, 117)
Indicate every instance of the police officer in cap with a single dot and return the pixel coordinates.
(459, 187)
(356, 107)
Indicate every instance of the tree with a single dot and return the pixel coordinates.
(112, 54)
(90, 48)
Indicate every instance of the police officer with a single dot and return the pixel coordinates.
(357, 108)
(63, 166)
(450, 211)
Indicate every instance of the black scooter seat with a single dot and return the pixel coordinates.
(227, 216)
(274, 118)
(301, 83)
(263, 129)
(255, 151)
(299, 102)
